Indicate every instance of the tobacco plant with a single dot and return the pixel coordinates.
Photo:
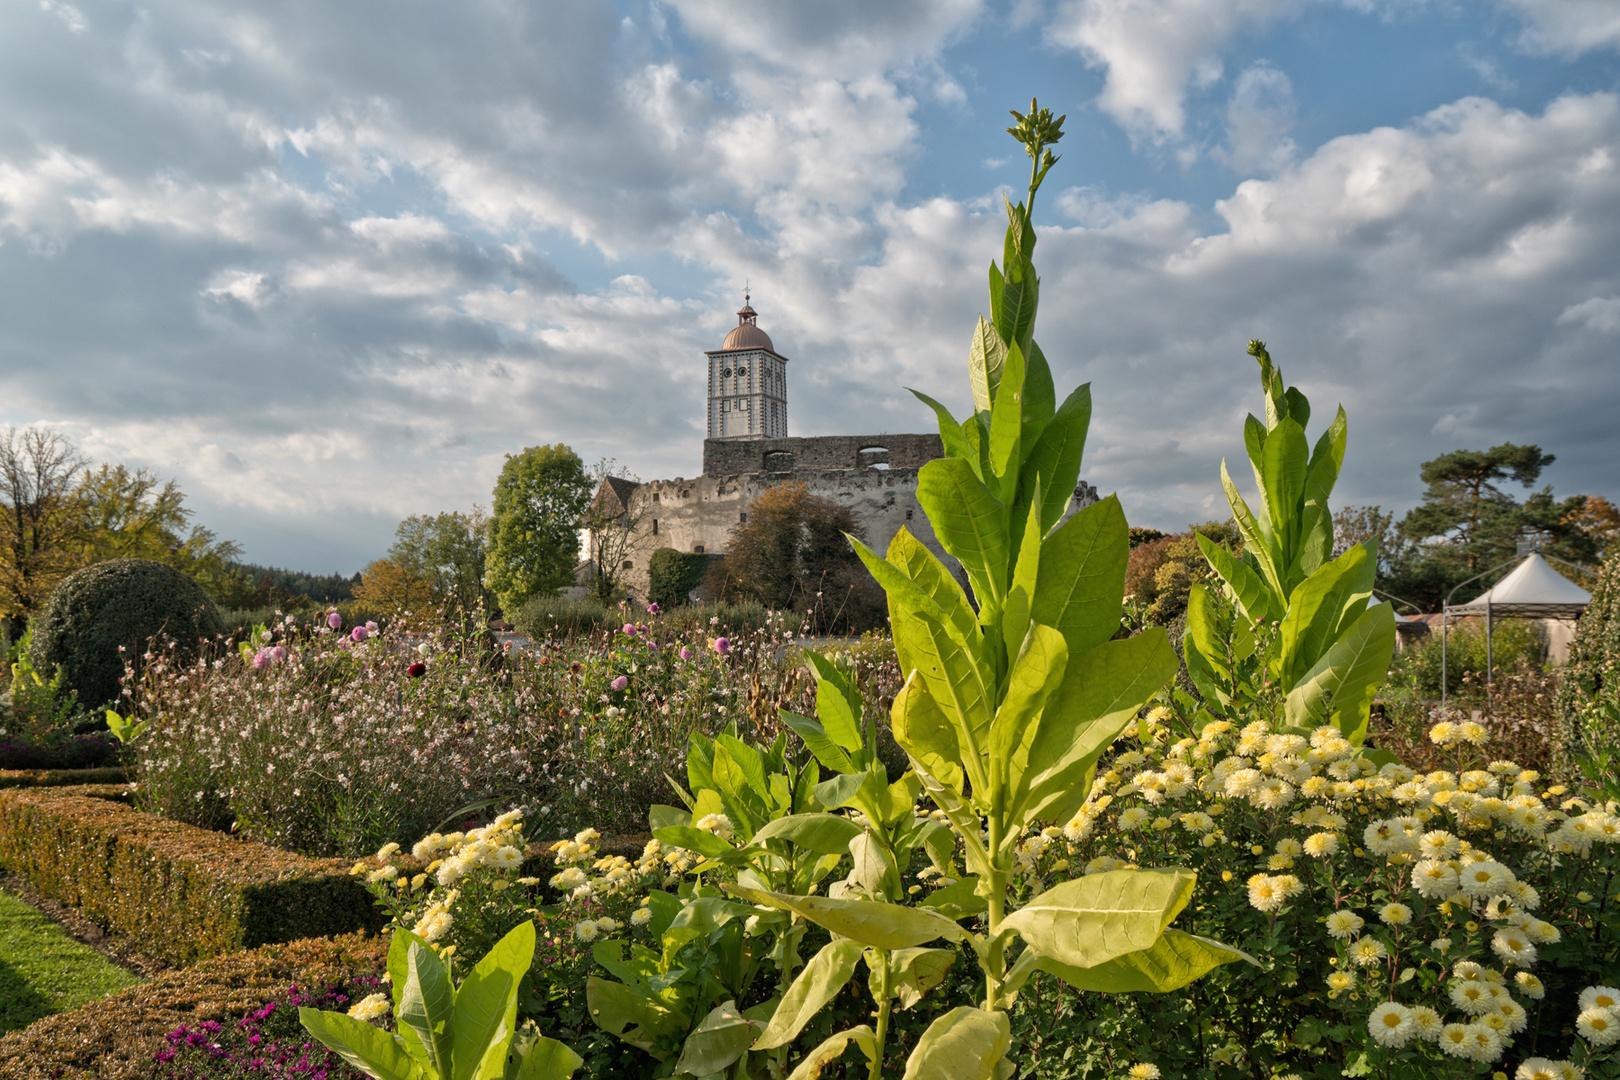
(1292, 632)
(1009, 700)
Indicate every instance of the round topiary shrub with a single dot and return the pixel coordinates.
(119, 602)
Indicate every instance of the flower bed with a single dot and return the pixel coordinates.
(119, 1037)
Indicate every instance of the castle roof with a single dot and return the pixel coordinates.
(747, 335)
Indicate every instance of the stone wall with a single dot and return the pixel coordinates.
(818, 453)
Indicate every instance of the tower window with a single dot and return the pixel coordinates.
(629, 565)
(655, 526)
(743, 518)
(697, 549)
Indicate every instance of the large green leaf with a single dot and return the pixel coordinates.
(958, 900)
(1057, 454)
(634, 1017)
(1172, 962)
(969, 522)
(548, 1059)
(825, 834)
(748, 762)
(839, 717)
(717, 1042)
(1101, 691)
(1249, 591)
(1286, 456)
(1092, 919)
(1040, 397)
(371, 1050)
(924, 732)
(1256, 542)
(1036, 674)
(1339, 688)
(693, 839)
(930, 575)
(950, 431)
(831, 1049)
(817, 984)
(914, 972)
(964, 1044)
(486, 1006)
(1318, 610)
(884, 926)
(1015, 612)
(426, 1006)
(986, 357)
(1006, 429)
(1082, 576)
(828, 752)
(1326, 460)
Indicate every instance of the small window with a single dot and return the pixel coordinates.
(697, 549)
(629, 565)
(655, 526)
(908, 515)
(743, 518)
(655, 496)
(872, 457)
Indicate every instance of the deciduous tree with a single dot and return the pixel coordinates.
(533, 547)
(41, 527)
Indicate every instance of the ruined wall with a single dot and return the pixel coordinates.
(819, 453)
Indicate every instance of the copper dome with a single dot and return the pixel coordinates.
(748, 336)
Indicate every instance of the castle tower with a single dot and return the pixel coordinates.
(747, 383)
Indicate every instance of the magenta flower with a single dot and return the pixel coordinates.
(722, 645)
(686, 654)
(654, 609)
(359, 633)
(621, 682)
(630, 629)
(416, 670)
(334, 620)
(278, 653)
(261, 660)
(371, 627)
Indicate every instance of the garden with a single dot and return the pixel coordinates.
(1023, 833)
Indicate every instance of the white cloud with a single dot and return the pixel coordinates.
(1567, 26)
(1258, 118)
(1600, 313)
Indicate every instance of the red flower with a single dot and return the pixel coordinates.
(416, 670)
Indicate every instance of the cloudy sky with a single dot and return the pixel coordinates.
(326, 263)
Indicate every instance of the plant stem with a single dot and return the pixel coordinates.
(882, 1035)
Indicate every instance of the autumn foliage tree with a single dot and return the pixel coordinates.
(792, 553)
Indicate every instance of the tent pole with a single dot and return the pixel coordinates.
(1487, 652)
(1444, 617)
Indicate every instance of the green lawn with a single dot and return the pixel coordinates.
(44, 971)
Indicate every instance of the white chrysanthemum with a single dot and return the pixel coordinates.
(1482, 880)
(1344, 923)
(1536, 1068)
(1272, 794)
(1289, 846)
(433, 924)
(1600, 1027)
(641, 917)
(587, 837)
(718, 824)
(1368, 951)
(1391, 1024)
(370, 1007)
(1487, 1042)
(568, 880)
(587, 931)
(1384, 838)
(1511, 1011)
(1395, 914)
(1530, 986)
(1340, 981)
(427, 846)
(507, 858)
(1322, 844)
(1456, 1040)
(1473, 998)
(1426, 1023)
(1264, 893)
(1469, 971)
(1133, 818)
(451, 871)
(1241, 782)
(1514, 947)
(1434, 880)
(1143, 1071)
(1197, 821)
(1438, 844)
(1600, 997)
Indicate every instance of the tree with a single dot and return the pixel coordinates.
(388, 586)
(134, 515)
(534, 530)
(41, 527)
(614, 523)
(1354, 525)
(1599, 519)
(1467, 523)
(793, 553)
(446, 552)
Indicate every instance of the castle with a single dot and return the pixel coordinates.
(748, 450)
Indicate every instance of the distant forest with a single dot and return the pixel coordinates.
(324, 588)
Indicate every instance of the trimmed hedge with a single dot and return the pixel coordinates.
(15, 778)
(116, 1037)
(176, 891)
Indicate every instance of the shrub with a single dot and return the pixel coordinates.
(548, 616)
(101, 614)
(179, 892)
(118, 1037)
(672, 575)
(1589, 695)
(1513, 641)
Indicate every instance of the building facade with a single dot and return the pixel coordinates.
(748, 450)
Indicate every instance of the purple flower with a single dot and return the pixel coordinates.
(654, 609)
(722, 645)
(371, 627)
(334, 620)
(359, 633)
(686, 654)
(261, 660)
(416, 670)
(630, 629)
(621, 682)
(278, 653)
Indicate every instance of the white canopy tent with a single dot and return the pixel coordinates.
(1534, 590)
